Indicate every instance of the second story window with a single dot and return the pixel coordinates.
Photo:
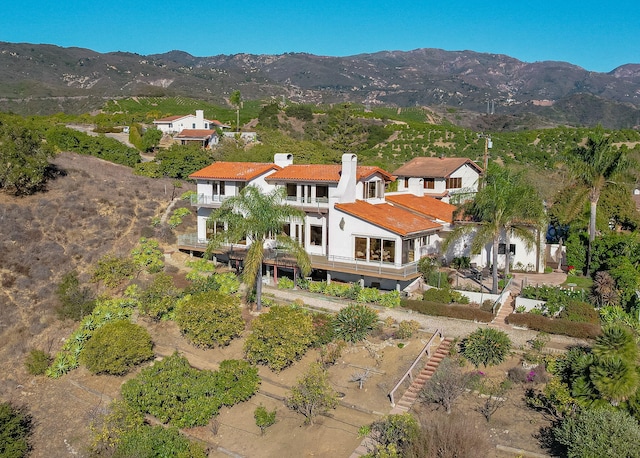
(292, 191)
(454, 183)
(373, 190)
(406, 182)
(429, 183)
(322, 193)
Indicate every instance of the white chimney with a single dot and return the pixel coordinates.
(199, 119)
(346, 190)
(416, 186)
(283, 159)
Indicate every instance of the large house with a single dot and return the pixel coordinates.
(449, 179)
(353, 229)
(350, 231)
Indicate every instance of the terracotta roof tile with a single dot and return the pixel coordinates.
(424, 205)
(323, 173)
(169, 118)
(434, 167)
(195, 133)
(234, 171)
(394, 219)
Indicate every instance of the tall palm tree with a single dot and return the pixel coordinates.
(258, 217)
(595, 165)
(505, 203)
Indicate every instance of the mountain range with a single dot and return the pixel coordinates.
(44, 79)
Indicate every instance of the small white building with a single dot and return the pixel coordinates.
(174, 124)
(449, 179)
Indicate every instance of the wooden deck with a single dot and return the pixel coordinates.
(405, 272)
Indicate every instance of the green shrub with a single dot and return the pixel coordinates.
(148, 256)
(225, 283)
(599, 433)
(406, 329)
(116, 347)
(312, 395)
(75, 301)
(317, 287)
(338, 289)
(285, 283)
(264, 418)
(555, 325)
(579, 311)
(486, 346)
(159, 298)
(37, 362)
(152, 441)
(175, 219)
(368, 295)
(452, 311)
(394, 433)
(209, 319)
(322, 328)
(279, 337)
(112, 270)
(15, 430)
(175, 393)
(441, 295)
(149, 169)
(355, 322)
(390, 300)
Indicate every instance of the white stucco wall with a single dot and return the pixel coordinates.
(532, 261)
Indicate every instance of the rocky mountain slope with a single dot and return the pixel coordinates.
(47, 78)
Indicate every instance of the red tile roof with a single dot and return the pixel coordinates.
(394, 219)
(234, 171)
(434, 167)
(424, 205)
(169, 118)
(323, 173)
(195, 133)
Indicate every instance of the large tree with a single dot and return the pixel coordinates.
(505, 204)
(258, 217)
(595, 165)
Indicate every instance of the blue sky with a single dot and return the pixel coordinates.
(597, 36)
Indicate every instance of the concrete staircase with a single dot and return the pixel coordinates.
(411, 395)
(505, 310)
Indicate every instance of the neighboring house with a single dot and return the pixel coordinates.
(175, 124)
(203, 137)
(350, 232)
(449, 179)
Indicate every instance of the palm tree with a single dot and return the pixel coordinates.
(236, 100)
(258, 217)
(505, 203)
(594, 166)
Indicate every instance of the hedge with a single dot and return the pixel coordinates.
(452, 311)
(555, 325)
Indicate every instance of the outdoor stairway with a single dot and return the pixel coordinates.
(503, 312)
(411, 395)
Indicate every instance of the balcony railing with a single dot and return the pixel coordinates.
(205, 199)
(308, 200)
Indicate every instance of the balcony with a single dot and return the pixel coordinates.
(343, 264)
(316, 204)
(205, 200)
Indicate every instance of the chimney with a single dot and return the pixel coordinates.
(346, 190)
(199, 119)
(283, 159)
(416, 186)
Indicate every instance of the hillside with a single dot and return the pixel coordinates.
(42, 79)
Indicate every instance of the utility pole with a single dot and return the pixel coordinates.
(488, 144)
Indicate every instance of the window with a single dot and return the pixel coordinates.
(406, 182)
(292, 191)
(389, 250)
(373, 190)
(360, 248)
(214, 228)
(241, 186)
(322, 193)
(193, 126)
(315, 236)
(429, 183)
(454, 183)
(502, 248)
(375, 247)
